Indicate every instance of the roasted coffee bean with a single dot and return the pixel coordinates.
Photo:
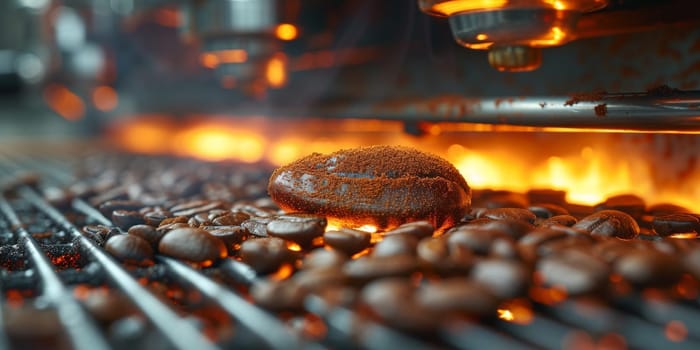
(283, 295)
(457, 295)
(232, 219)
(252, 210)
(319, 278)
(514, 229)
(130, 249)
(505, 278)
(561, 220)
(546, 210)
(530, 244)
(265, 255)
(380, 185)
(174, 220)
(627, 203)
(370, 268)
(193, 245)
(649, 268)
(675, 223)
(477, 240)
(108, 207)
(147, 232)
(204, 208)
(230, 235)
(257, 225)
(396, 245)
(515, 214)
(491, 199)
(29, 327)
(573, 271)
(155, 218)
(348, 241)
(444, 258)
(611, 249)
(298, 228)
(419, 229)
(163, 229)
(215, 213)
(392, 300)
(611, 223)
(321, 257)
(125, 219)
(691, 261)
(200, 219)
(666, 208)
(107, 306)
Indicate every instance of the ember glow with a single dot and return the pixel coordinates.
(517, 311)
(589, 167)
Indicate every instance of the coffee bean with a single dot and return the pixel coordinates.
(491, 199)
(444, 258)
(204, 208)
(477, 240)
(174, 220)
(573, 271)
(125, 219)
(229, 235)
(515, 214)
(396, 245)
(457, 295)
(691, 261)
(278, 296)
(257, 225)
(193, 245)
(546, 210)
(155, 218)
(530, 244)
(200, 219)
(419, 229)
(265, 255)
(392, 300)
(299, 228)
(107, 306)
(108, 207)
(232, 219)
(380, 185)
(513, 228)
(666, 225)
(314, 280)
(320, 258)
(611, 223)
(627, 203)
(649, 268)
(130, 249)
(370, 268)
(561, 220)
(348, 241)
(505, 278)
(252, 210)
(147, 232)
(666, 208)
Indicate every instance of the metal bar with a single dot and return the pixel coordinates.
(266, 327)
(677, 111)
(638, 333)
(468, 336)
(81, 329)
(662, 311)
(180, 333)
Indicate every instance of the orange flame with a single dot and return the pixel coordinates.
(517, 311)
(286, 31)
(282, 273)
(293, 247)
(588, 173)
(689, 235)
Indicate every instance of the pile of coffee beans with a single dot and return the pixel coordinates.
(532, 245)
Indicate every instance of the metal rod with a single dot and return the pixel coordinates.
(468, 336)
(81, 329)
(677, 111)
(179, 332)
(268, 328)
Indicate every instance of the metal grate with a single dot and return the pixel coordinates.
(172, 323)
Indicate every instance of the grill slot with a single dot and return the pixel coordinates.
(640, 320)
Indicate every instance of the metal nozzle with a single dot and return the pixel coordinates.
(515, 58)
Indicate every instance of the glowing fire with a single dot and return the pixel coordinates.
(517, 311)
(588, 173)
